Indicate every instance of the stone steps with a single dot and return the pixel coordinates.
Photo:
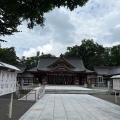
(49, 91)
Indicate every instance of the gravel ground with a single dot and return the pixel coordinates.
(20, 107)
(108, 97)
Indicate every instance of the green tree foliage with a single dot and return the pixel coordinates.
(30, 62)
(91, 53)
(115, 55)
(8, 55)
(107, 57)
(47, 55)
(13, 12)
(2, 40)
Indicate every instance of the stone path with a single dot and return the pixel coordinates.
(72, 107)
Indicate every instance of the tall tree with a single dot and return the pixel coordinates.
(13, 12)
(91, 53)
(107, 56)
(115, 55)
(31, 62)
(8, 55)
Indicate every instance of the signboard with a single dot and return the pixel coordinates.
(7, 82)
(116, 84)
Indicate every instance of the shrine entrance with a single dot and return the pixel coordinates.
(60, 80)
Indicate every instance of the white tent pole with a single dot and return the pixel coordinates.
(10, 106)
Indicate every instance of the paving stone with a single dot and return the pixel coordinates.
(74, 107)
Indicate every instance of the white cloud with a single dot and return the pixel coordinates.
(113, 36)
(98, 20)
(33, 51)
(46, 49)
(63, 29)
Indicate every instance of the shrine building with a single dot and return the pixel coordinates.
(61, 71)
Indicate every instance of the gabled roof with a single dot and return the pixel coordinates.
(8, 66)
(61, 59)
(44, 62)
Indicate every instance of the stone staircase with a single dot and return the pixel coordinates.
(58, 91)
(73, 90)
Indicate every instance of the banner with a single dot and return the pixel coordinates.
(7, 82)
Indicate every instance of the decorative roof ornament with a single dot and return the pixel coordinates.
(61, 55)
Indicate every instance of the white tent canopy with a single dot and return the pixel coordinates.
(115, 76)
(4, 65)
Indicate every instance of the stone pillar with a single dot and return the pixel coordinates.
(73, 79)
(22, 83)
(66, 79)
(109, 86)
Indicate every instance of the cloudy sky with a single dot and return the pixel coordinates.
(98, 20)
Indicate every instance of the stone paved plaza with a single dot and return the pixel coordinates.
(72, 107)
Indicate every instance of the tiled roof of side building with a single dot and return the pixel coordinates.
(101, 70)
(108, 71)
(114, 71)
